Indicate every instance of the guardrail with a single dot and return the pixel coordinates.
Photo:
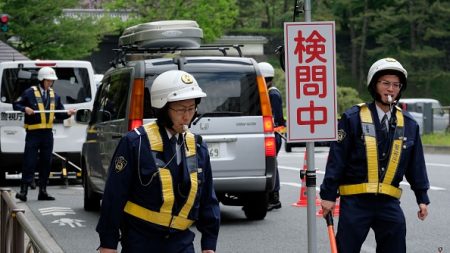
(13, 227)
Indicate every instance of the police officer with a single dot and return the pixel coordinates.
(39, 134)
(276, 102)
(378, 144)
(160, 179)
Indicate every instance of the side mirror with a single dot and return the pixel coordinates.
(83, 116)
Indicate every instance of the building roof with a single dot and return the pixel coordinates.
(7, 53)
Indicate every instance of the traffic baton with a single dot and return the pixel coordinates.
(329, 219)
(38, 111)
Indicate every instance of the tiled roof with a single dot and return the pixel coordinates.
(8, 53)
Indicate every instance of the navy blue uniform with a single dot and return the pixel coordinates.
(347, 165)
(38, 142)
(136, 178)
(276, 102)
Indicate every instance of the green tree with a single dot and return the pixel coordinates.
(214, 17)
(45, 33)
(346, 98)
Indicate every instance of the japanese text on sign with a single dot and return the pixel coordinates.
(311, 85)
(11, 116)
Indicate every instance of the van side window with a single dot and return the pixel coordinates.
(114, 94)
(15, 82)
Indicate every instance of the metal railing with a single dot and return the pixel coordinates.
(13, 227)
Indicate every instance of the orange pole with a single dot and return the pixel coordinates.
(331, 235)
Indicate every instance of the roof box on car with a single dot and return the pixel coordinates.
(163, 34)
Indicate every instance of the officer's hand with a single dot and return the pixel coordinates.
(105, 250)
(327, 206)
(208, 251)
(29, 111)
(71, 112)
(423, 211)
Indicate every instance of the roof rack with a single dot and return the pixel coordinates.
(124, 52)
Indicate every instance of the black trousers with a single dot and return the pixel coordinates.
(37, 155)
(359, 213)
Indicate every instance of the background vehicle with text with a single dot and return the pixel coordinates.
(75, 86)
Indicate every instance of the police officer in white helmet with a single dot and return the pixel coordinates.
(276, 103)
(39, 133)
(378, 144)
(160, 179)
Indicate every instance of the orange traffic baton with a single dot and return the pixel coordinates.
(329, 219)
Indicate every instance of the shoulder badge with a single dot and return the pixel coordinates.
(341, 135)
(120, 163)
(187, 79)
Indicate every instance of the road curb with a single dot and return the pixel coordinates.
(431, 149)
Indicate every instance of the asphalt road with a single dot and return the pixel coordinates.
(68, 228)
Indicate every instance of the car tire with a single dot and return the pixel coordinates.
(256, 206)
(91, 199)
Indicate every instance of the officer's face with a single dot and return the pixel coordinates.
(47, 84)
(388, 85)
(181, 113)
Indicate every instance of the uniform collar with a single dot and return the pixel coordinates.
(169, 134)
(381, 113)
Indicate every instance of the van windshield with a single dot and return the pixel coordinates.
(73, 84)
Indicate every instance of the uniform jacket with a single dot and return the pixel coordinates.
(276, 103)
(27, 99)
(347, 161)
(127, 183)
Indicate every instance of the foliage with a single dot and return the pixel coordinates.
(45, 33)
(214, 17)
(441, 139)
(346, 98)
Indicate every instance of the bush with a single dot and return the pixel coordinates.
(346, 98)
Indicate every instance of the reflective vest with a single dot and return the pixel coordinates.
(165, 217)
(373, 184)
(46, 123)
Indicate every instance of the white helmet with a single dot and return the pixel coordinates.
(385, 64)
(174, 85)
(266, 69)
(47, 73)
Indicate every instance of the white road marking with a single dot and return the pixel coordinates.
(56, 211)
(69, 222)
(438, 165)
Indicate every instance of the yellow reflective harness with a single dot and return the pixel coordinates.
(165, 217)
(373, 184)
(44, 124)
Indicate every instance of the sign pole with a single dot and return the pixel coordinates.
(311, 176)
(310, 71)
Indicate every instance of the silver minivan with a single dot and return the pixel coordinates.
(234, 119)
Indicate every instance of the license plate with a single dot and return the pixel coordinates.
(214, 150)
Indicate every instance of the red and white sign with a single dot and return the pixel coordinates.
(310, 55)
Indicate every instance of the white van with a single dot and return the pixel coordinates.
(415, 106)
(76, 87)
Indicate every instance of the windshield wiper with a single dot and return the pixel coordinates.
(215, 114)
